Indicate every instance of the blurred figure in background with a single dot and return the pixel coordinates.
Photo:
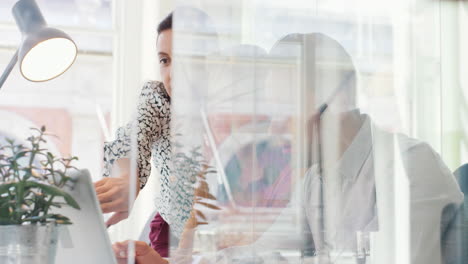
(349, 192)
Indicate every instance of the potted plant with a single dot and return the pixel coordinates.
(32, 181)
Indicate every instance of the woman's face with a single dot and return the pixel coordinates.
(164, 47)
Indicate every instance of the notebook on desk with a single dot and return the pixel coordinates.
(86, 240)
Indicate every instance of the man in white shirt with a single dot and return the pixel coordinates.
(384, 194)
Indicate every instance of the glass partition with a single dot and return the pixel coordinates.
(320, 127)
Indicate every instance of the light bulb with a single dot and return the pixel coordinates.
(48, 59)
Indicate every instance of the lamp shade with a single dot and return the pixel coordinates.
(45, 52)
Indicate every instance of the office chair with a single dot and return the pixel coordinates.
(462, 177)
(459, 227)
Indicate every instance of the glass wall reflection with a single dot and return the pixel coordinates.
(310, 131)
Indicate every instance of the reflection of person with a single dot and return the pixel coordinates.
(366, 174)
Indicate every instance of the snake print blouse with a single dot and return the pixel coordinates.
(152, 134)
(151, 129)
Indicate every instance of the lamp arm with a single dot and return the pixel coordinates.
(8, 69)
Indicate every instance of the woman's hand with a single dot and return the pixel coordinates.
(143, 253)
(112, 194)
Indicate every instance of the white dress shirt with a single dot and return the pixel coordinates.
(388, 185)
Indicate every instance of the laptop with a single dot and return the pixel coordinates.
(86, 240)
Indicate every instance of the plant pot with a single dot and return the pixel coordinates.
(21, 244)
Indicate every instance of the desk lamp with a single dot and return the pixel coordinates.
(45, 52)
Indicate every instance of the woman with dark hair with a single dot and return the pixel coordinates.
(152, 136)
(152, 125)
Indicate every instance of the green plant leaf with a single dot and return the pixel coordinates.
(4, 211)
(6, 186)
(20, 188)
(63, 222)
(35, 219)
(59, 217)
(6, 221)
(52, 190)
(20, 154)
(50, 157)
